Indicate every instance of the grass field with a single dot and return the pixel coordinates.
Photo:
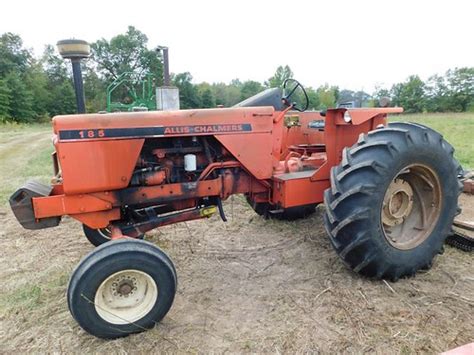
(25, 152)
(246, 286)
(457, 129)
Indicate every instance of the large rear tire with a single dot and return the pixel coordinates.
(392, 200)
(122, 287)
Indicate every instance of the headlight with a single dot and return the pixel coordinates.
(347, 117)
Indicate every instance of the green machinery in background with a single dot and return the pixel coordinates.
(140, 93)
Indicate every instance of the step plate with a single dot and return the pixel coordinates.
(22, 206)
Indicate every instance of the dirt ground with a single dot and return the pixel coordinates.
(249, 285)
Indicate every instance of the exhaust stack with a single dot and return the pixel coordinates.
(76, 50)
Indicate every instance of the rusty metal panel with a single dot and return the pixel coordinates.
(98, 165)
(254, 153)
(298, 191)
(59, 205)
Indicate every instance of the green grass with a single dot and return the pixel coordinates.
(12, 129)
(28, 297)
(24, 154)
(457, 129)
(40, 164)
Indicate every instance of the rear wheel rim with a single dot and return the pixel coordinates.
(411, 207)
(126, 296)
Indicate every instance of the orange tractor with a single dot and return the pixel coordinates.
(390, 191)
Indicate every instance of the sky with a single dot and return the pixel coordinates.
(356, 44)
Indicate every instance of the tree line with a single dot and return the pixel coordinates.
(34, 88)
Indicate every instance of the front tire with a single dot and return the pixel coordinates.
(122, 287)
(392, 200)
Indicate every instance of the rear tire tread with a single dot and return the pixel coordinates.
(367, 260)
(356, 216)
(358, 241)
(348, 192)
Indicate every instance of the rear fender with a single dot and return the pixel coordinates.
(361, 115)
(340, 133)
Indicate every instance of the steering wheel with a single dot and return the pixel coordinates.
(286, 99)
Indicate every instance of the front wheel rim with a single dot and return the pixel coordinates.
(105, 233)
(411, 207)
(126, 296)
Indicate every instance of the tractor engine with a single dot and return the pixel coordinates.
(172, 160)
(177, 160)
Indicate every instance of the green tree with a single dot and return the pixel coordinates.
(379, 94)
(410, 94)
(313, 98)
(250, 88)
(226, 95)
(236, 83)
(461, 88)
(207, 99)
(21, 99)
(188, 94)
(54, 66)
(13, 57)
(282, 73)
(395, 93)
(64, 101)
(126, 52)
(36, 80)
(17, 94)
(95, 90)
(436, 94)
(327, 96)
(5, 96)
(206, 95)
(347, 96)
(59, 84)
(361, 98)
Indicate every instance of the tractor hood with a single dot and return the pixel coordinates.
(125, 125)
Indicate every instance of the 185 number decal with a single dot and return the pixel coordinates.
(92, 133)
